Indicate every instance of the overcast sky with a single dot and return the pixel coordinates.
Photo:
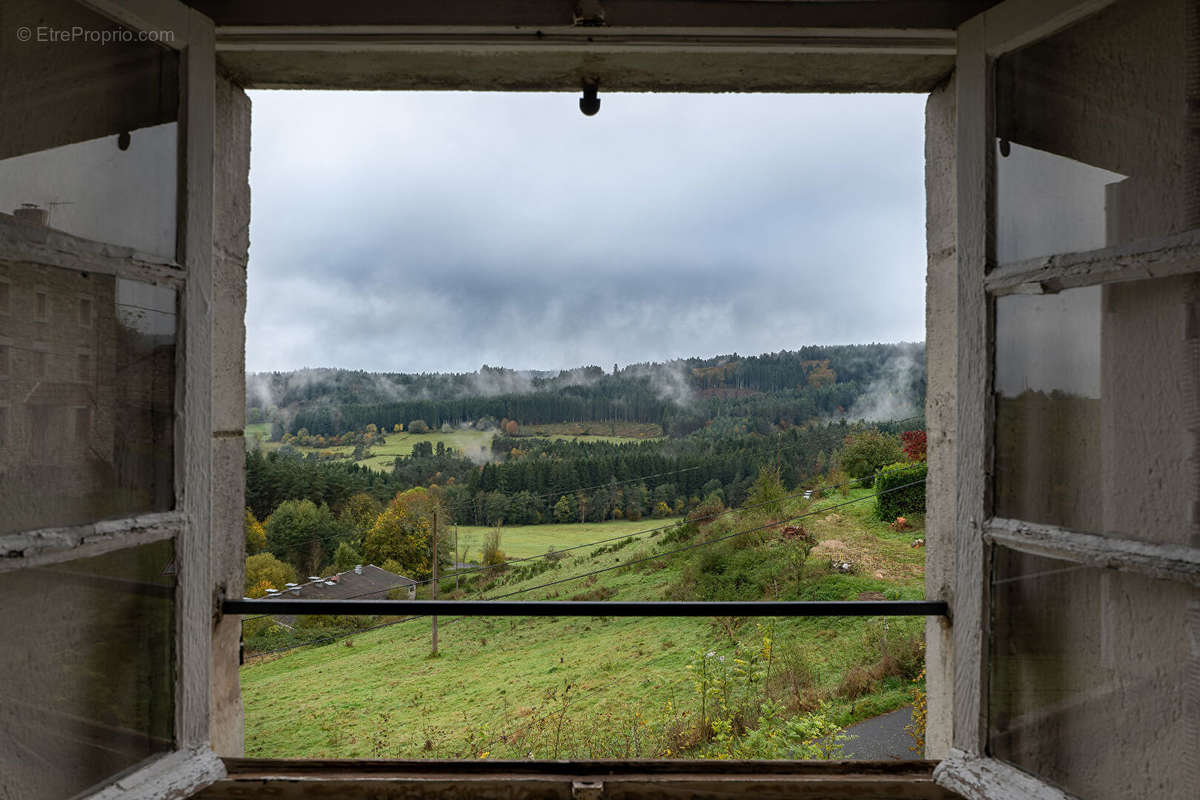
(398, 231)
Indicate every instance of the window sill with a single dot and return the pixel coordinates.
(575, 779)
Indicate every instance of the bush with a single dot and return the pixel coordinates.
(897, 502)
(865, 452)
(492, 554)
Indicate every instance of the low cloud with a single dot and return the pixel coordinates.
(442, 231)
(895, 394)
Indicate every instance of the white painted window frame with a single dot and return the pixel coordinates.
(1008, 26)
(192, 764)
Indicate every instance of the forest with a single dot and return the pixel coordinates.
(720, 423)
(768, 390)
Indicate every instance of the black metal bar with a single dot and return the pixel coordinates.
(590, 608)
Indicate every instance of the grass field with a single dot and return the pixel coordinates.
(474, 444)
(521, 541)
(595, 431)
(584, 687)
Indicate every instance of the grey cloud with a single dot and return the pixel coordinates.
(425, 232)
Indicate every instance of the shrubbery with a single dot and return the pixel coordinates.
(866, 451)
(892, 501)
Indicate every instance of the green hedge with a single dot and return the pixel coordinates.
(909, 500)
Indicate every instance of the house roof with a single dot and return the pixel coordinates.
(347, 585)
(370, 583)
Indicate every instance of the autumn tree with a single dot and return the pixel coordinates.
(403, 532)
(359, 515)
(418, 426)
(913, 443)
(821, 375)
(264, 571)
(511, 427)
(256, 535)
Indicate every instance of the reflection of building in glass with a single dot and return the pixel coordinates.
(86, 392)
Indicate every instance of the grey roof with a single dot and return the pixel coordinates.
(350, 584)
(372, 584)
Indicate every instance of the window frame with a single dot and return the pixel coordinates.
(192, 764)
(968, 769)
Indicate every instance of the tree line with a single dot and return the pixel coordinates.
(772, 389)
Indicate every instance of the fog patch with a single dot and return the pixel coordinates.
(896, 393)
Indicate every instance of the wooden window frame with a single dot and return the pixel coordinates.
(1008, 26)
(192, 764)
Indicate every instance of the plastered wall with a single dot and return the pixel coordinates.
(231, 245)
(941, 308)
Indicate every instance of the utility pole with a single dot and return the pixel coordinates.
(435, 577)
(457, 558)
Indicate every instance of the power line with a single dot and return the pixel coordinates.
(623, 565)
(466, 503)
(708, 542)
(668, 526)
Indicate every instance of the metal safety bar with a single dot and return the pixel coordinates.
(594, 608)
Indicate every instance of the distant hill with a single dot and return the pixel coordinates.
(790, 387)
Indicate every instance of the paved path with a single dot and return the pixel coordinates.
(882, 737)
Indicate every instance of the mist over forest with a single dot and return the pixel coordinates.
(871, 382)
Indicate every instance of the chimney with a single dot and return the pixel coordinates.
(358, 569)
(32, 214)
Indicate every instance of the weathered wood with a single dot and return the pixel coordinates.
(885, 14)
(1170, 562)
(1177, 254)
(986, 779)
(1016, 23)
(973, 421)
(175, 775)
(561, 779)
(594, 40)
(37, 244)
(194, 481)
(54, 545)
(593, 608)
(941, 338)
(327, 767)
(149, 15)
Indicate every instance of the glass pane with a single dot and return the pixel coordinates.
(88, 403)
(91, 691)
(1094, 145)
(1092, 402)
(1091, 673)
(90, 140)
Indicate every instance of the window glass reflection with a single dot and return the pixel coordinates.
(90, 141)
(1090, 675)
(1094, 146)
(1090, 427)
(90, 402)
(90, 691)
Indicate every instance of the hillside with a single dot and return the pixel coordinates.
(874, 381)
(602, 687)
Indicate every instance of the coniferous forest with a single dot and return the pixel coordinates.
(717, 421)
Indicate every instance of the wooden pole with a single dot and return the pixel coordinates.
(435, 577)
(457, 558)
